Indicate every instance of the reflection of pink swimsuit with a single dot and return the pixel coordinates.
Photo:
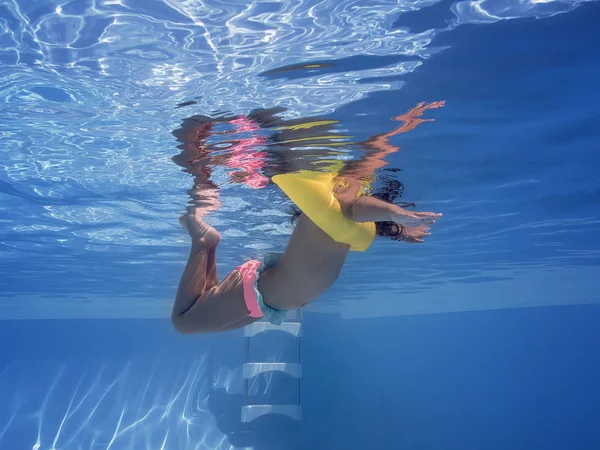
(245, 158)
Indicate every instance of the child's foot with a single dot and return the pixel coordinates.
(198, 229)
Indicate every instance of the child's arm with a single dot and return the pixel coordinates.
(371, 209)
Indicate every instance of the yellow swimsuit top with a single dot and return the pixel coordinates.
(313, 193)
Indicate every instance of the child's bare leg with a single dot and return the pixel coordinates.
(205, 239)
(240, 324)
(218, 309)
(193, 280)
(195, 275)
(200, 307)
(211, 269)
(212, 280)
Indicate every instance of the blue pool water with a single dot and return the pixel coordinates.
(483, 337)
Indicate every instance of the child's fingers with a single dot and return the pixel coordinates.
(426, 220)
(429, 214)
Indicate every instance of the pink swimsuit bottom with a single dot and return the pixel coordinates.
(250, 272)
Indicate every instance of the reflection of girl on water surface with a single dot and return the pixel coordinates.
(337, 214)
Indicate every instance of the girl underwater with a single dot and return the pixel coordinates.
(337, 214)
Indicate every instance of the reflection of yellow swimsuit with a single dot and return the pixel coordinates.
(313, 193)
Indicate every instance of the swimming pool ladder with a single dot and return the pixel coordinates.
(292, 326)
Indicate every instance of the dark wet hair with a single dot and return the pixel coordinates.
(390, 190)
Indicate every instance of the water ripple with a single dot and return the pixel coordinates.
(88, 96)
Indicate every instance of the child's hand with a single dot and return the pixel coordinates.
(414, 219)
(414, 235)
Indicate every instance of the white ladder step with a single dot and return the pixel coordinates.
(255, 328)
(251, 412)
(253, 369)
(291, 315)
